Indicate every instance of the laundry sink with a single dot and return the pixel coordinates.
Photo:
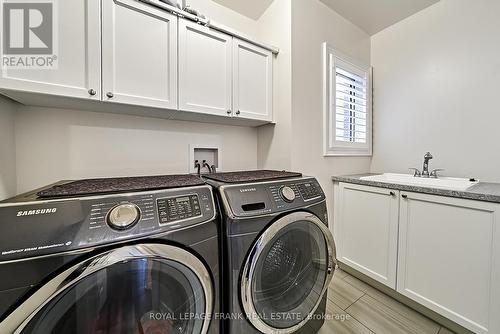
(449, 183)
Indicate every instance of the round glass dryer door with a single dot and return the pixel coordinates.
(287, 273)
(136, 289)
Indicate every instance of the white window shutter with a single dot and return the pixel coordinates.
(348, 109)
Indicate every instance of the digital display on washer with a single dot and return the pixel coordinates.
(309, 190)
(178, 208)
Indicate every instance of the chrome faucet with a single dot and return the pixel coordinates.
(425, 169)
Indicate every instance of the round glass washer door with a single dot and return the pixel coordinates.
(140, 289)
(287, 272)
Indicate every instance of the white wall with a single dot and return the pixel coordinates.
(223, 15)
(56, 144)
(275, 27)
(312, 24)
(7, 149)
(436, 82)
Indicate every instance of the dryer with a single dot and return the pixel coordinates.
(279, 255)
(128, 255)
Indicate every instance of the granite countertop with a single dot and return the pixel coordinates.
(482, 191)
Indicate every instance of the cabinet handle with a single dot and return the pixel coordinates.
(404, 196)
(237, 112)
(392, 193)
(229, 111)
(92, 92)
(110, 95)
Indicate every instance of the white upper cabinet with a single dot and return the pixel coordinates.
(366, 230)
(449, 258)
(252, 81)
(205, 70)
(128, 52)
(78, 72)
(139, 54)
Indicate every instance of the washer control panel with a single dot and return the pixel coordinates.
(309, 190)
(149, 212)
(267, 197)
(69, 224)
(173, 209)
(278, 195)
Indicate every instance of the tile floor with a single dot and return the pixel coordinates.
(357, 308)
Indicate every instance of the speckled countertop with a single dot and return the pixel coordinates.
(483, 191)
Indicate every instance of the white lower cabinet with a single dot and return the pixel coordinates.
(139, 54)
(366, 230)
(447, 249)
(449, 258)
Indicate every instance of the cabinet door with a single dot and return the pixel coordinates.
(204, 69)
(139, 54)
(77, 45)
(366, 230)
(252, 81)
(449, 258)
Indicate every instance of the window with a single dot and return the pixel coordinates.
(347, 104)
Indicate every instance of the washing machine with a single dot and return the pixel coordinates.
(125, 255)
(278, 253)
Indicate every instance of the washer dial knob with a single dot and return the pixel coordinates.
(123, 216)
(287, 194)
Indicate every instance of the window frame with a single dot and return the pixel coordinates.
(332, 147)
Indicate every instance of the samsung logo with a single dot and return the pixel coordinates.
(247, 190)
(36, 212)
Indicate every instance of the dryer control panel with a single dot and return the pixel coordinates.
(51, 226)
(255, 199)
